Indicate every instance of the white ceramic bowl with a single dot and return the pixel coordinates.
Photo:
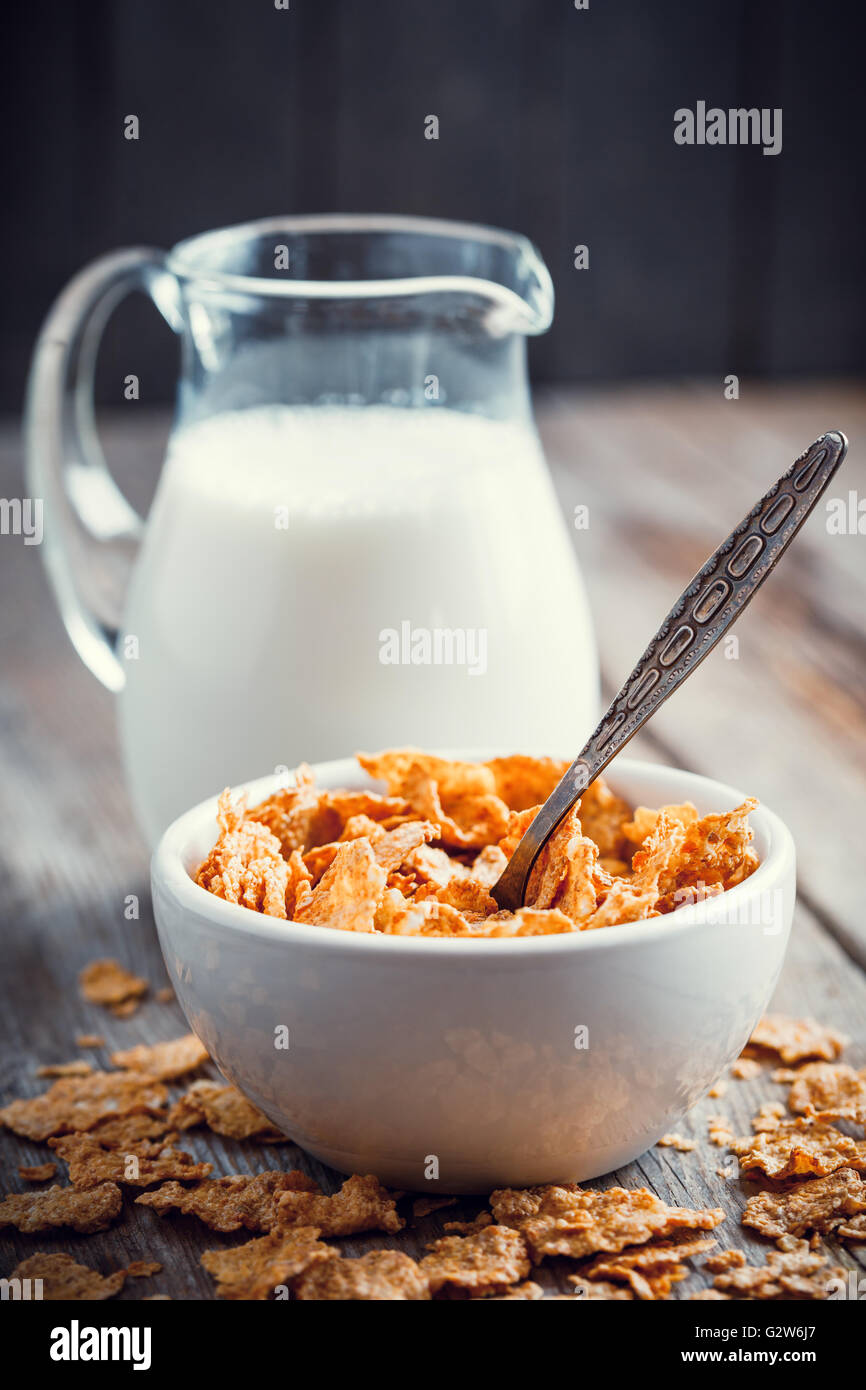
(409, 1057)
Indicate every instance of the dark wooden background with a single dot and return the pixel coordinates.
(555, 122)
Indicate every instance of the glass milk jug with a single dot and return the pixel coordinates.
(354, 542)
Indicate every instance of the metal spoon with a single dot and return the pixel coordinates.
(702, 614)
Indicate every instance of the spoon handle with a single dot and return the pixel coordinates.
(701, 616)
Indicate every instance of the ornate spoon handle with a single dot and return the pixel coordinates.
(700, 617)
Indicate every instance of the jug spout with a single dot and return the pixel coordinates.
(404, 265)
(519, 289)
(358, 310)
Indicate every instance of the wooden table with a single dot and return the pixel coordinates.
(665, 472)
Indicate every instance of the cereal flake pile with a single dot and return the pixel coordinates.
(117, 1133)
(420, 860)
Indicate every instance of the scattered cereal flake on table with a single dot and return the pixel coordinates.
(676, 1141)
(719, 1131)
(348, 892)
(125, 1009)
(818, 1205)
(362, 1204)
(652, 1285)
(796, 1039)
(770, 1115)
(716, 1092)
(125, 1131)
(225, 1110)
(79, 1102)
(568, 1220)
(855, 1229)
(799, 1148)
(595, 1289)
(663, 1250)
(528, 1290)
(165, 995)
(745, 1069)
(65, 1280)
(469, 1228)
(256, 1269)
(832, 1089)
(143, 1269)
(84, 1212)
(795, 1272)
(425, 1206)
(650, 1270)
(89, 1040)
(383, 1275)
(37, 1172)
(77, 1068)
(91, 1163)
(487, 1262)
(165, 1060)
(109, 983)
(228, 1204)
(708, 1296)
(726, 1259)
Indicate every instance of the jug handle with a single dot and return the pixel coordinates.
(84, 511)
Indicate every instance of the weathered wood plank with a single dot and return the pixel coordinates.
(818, 979)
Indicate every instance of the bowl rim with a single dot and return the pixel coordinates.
(170, 876)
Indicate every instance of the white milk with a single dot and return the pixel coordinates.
(262, 645)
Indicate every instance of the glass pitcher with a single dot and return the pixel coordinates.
(354, 542)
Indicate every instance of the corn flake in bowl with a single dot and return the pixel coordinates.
(421, 858)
